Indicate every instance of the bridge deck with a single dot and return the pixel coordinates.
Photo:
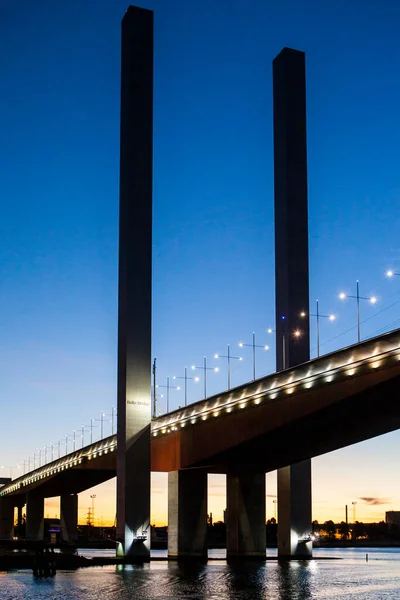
(193, 435)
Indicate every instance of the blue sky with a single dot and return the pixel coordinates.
(213, 192)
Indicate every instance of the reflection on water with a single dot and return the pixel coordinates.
(351, 578)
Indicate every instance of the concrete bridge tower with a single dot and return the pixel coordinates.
(134, 288)
(291, 276)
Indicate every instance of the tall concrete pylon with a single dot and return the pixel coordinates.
(134, 287)
(291, 277)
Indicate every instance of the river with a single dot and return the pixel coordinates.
(350, 578)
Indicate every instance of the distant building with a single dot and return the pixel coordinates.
(392, 517)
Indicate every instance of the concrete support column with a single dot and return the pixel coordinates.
(187, 514)
(294, 510)
(245, 515)
(19, 529)
(19, 518)
(69, 517)
(34, 516)
(6, 518)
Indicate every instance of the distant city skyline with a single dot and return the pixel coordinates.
(213, 211)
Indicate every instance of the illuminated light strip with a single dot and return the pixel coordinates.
(320, 378)
(336, 368)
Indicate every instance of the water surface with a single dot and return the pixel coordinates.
(351, 578)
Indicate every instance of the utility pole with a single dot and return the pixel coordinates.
(93, 496)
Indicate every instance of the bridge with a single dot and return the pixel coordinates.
(281, 421)
(317, 407)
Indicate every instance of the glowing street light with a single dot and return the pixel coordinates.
(391, 273)
(371, 299)
(186, 378)
(228, 357)
(254, 346)
(205, 369)
(318, 317)
(168, 387)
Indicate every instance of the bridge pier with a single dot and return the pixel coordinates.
(187, 514)
(245, 514)
(69, 517)
(6, 518)
(294, 510)
(34, 516)
(19, 517)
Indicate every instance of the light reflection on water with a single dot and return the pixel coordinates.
(351, 578)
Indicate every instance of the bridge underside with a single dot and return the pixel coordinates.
(368, 414)
(268, 436)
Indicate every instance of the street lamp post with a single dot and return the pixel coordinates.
(113, 415)
(254, 346)
(205, 369)
(67, 435)
(168, 388)
(186, 379)
(91, 429)
(154, 388)
(296, 334)
(102, 415)
(59, 447)
(371, 299)
(93, 496)
(83, 429)
(11, 469)
(275, 503)
(229, 358)
(318, 317)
